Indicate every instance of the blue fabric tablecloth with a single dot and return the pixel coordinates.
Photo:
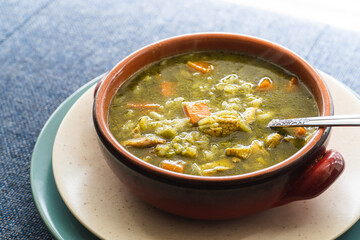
(49, 48)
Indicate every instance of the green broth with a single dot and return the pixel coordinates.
(147, 114)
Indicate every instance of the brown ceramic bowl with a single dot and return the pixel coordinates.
(304, 175)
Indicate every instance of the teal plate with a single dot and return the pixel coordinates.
(57, 217)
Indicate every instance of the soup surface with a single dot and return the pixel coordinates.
(206, 113)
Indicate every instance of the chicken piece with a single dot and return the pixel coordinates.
(175, 166)
(241, 152)
(257, 148)
(223, 125)
(250, 115)
(143, 142)
(136, 131)
(216, 166)
(273, 140)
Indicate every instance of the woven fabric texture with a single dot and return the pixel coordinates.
(49, 48)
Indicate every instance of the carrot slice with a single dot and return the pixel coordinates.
(299, 131)
(168, 88)
(203, 67)
(175, 166)
(143, 105)
(293, 84)
(196, 111)
(265, 84)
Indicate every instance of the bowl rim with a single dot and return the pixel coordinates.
(114, 147)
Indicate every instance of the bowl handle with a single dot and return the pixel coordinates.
(325, 169)
(99, 83)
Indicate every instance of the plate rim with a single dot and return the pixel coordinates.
(55, 118)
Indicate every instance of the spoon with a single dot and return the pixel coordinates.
(344, 120)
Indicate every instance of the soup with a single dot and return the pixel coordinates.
(206, 113)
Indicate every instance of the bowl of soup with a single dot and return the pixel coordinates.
(183, 124)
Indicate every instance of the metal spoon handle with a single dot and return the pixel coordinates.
(344, 120)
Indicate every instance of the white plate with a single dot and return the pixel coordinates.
(101, 203)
